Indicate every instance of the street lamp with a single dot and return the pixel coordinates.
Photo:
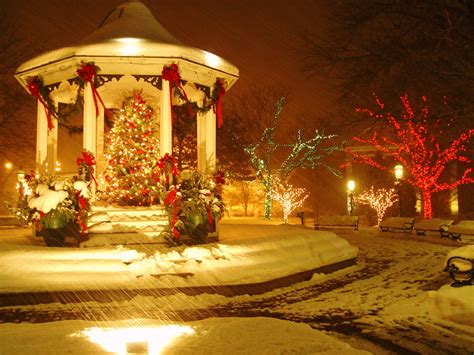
(350, 188)
(398, 170)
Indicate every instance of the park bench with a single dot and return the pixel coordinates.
(431, 225)
(337, 222)
(460, 269)
(404, 224)
(464, 227)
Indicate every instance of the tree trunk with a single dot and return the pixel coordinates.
(427, 210)
(268, 204)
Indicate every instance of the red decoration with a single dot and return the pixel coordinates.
(171, 201)
(87, 160)
(87, 72)
(171, 73)
(168, 164)
(415, 145)
(219, 91)
(35, 86)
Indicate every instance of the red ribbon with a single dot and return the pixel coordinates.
(87, 72)
(170, 200)
(34, 89)
(82, 206)
(219, 92)
(88, 160)
(164, 165)
(171, 73)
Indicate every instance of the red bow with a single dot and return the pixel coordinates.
(88, 160)
(87, 72)
(164, 166)
(171, 73)
(34, 88)
(171, 201)
(219, 91)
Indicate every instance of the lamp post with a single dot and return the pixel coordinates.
(350, 189)
(398, 170)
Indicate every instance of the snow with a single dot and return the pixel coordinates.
(209, 336)
(249, 251)
(271, 253)
(47, 199)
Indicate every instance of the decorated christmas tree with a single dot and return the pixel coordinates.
(133, 151)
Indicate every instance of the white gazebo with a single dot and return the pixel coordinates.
(130, 48)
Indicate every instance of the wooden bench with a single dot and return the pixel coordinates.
(464, 227)
(404, 224)
(337, 222)
(431, 225)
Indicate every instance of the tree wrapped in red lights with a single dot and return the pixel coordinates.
(133, 151)
(419, 146)
(379, 200)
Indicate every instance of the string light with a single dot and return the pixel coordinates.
(132, 155)
(304, 154)
(290, 198)
(420, 147)
(379, 200)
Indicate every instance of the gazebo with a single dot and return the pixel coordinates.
(131, 49)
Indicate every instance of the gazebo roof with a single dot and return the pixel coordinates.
(128, 38)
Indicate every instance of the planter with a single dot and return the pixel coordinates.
(197, 227)
(55, 237)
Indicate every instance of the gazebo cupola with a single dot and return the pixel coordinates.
(131, 49)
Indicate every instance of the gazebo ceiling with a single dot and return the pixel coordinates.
(129, 41)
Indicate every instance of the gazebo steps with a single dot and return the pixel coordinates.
(115, 220)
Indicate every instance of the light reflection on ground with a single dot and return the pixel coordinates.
(156, 339)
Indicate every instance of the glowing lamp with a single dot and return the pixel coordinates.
(8, 165)
(351, 185)
(398, 171)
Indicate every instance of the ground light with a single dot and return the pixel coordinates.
(148, 340)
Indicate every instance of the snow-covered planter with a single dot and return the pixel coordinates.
(57, 207)
(194, 206)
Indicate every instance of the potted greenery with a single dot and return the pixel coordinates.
(56, 207)
(193, 202)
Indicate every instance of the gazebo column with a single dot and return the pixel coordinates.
(166, 138)
(89, 135)
(201, 144)
(210, 133)
(99, 158)
(46, 142)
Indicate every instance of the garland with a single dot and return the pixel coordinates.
(171, 74)
(87, 73)
(37, 89)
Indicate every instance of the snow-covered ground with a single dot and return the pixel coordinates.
(395, 299)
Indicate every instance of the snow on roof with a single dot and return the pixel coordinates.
(129, 31)
(130, 20)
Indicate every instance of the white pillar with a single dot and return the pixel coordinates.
(99, 158)
(166, 138)
(46, 142)
(201, 144)
(89, 133)
(89, 138)
(210, 142)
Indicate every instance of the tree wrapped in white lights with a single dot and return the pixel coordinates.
(290, 198)
(379, 200)
(304, 154)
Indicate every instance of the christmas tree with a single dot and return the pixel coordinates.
(133, 151)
